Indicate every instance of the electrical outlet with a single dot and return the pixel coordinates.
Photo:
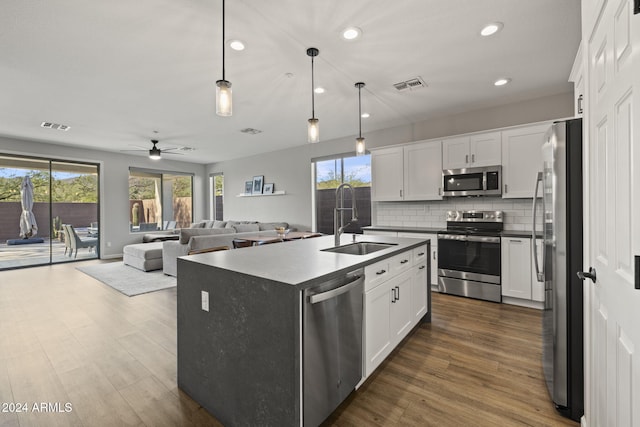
(205, 300)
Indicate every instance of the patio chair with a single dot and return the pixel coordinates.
(77, 242)
(67, 239)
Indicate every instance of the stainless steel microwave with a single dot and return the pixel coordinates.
(486, 181)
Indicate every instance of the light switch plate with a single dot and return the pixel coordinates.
(205, 300)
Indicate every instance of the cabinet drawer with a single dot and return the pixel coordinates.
(401, 262)
(420, 255)
(376, 274)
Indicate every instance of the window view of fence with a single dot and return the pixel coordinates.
(330, 173)
(159, 201)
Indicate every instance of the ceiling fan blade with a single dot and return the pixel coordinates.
(176, 154)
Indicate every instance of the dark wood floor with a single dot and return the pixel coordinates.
(67, 338)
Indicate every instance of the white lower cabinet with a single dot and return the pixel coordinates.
(519, 282)
(396, 298)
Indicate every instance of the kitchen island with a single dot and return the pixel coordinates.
(240, 322)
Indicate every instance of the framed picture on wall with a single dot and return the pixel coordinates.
(257, 184)
(268, 188)
(248, 187)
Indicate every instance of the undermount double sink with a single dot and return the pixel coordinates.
(360, 248)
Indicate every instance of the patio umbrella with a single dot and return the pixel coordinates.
(28, 226)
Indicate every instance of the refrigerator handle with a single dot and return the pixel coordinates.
(539, 274)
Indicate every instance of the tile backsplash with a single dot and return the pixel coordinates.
(517, 212)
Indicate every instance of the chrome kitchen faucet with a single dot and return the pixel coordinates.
(340, 209)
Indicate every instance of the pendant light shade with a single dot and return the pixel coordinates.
(313, 129)
(224, 103)
(360, 145)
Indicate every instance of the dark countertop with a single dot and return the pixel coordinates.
(301, 263)
(432, 230)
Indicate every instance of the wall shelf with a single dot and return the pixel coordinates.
(275, 193)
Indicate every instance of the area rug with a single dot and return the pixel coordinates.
(128, 280)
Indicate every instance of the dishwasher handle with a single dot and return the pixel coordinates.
(323, 296)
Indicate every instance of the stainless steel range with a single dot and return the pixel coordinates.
(469, 259)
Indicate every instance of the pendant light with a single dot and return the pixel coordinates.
(360, 147)
(224, 104)
(313, 130)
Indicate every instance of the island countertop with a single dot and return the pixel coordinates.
(301, 263)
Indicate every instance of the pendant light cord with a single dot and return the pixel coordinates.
(223, 40)
(359, 112)
(313, 99)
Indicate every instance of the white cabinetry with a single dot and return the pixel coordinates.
(387, 174)
(471, 151)
(577, 77)
(522, 159)
(519, 283)
(433, 256)
(410, 172)
(396, 298)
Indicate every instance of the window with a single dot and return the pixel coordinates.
(159, 201)
(329, 174)
(63, 192)
(216, 182)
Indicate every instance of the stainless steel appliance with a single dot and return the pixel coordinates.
(485, 181)
(469, 259)
(332, 344)
(561, 219)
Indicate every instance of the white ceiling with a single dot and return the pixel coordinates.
(117, 70)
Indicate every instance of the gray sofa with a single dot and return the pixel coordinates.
(210, 234)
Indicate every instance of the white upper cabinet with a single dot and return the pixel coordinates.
(410, 172)
(577, 78)
(522, 159)
(471, 151)
(386, 174)
(423, 171)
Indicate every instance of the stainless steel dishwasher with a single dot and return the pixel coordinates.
(332, 344)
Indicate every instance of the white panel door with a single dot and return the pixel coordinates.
(613, 201)
(516, 267)
(377, 323)
(423, 171)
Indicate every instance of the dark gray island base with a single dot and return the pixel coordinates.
(241, 359)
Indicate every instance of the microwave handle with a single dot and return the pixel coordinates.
(539, 273)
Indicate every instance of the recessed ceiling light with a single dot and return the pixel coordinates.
(236, 45)
(319, 90)
(365, 115)
(490, 29)
(502, 81)
(351, 33)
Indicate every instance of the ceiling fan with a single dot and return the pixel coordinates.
(155, 153)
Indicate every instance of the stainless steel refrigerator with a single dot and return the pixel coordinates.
(557, 214)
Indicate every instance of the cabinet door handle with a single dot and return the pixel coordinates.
(434, 255)
(398, 289)
(381, 272)
(473, 158)
(400, 193)
(506, 189)
(439, 191)
(422, 267)
(580, 98)
(404, 261)
(466, 158)
(516, 240)
(393, 295)
(421, 253)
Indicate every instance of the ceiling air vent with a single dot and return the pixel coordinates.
(56, 126)
(251, 131)
(411, 84)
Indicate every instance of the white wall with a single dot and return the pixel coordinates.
(114, 184)
(290, 169)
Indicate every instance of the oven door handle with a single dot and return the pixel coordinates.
(483, 239)
(465, 238)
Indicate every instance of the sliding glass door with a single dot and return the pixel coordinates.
(37, 197)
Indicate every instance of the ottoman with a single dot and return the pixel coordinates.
(143, 256)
